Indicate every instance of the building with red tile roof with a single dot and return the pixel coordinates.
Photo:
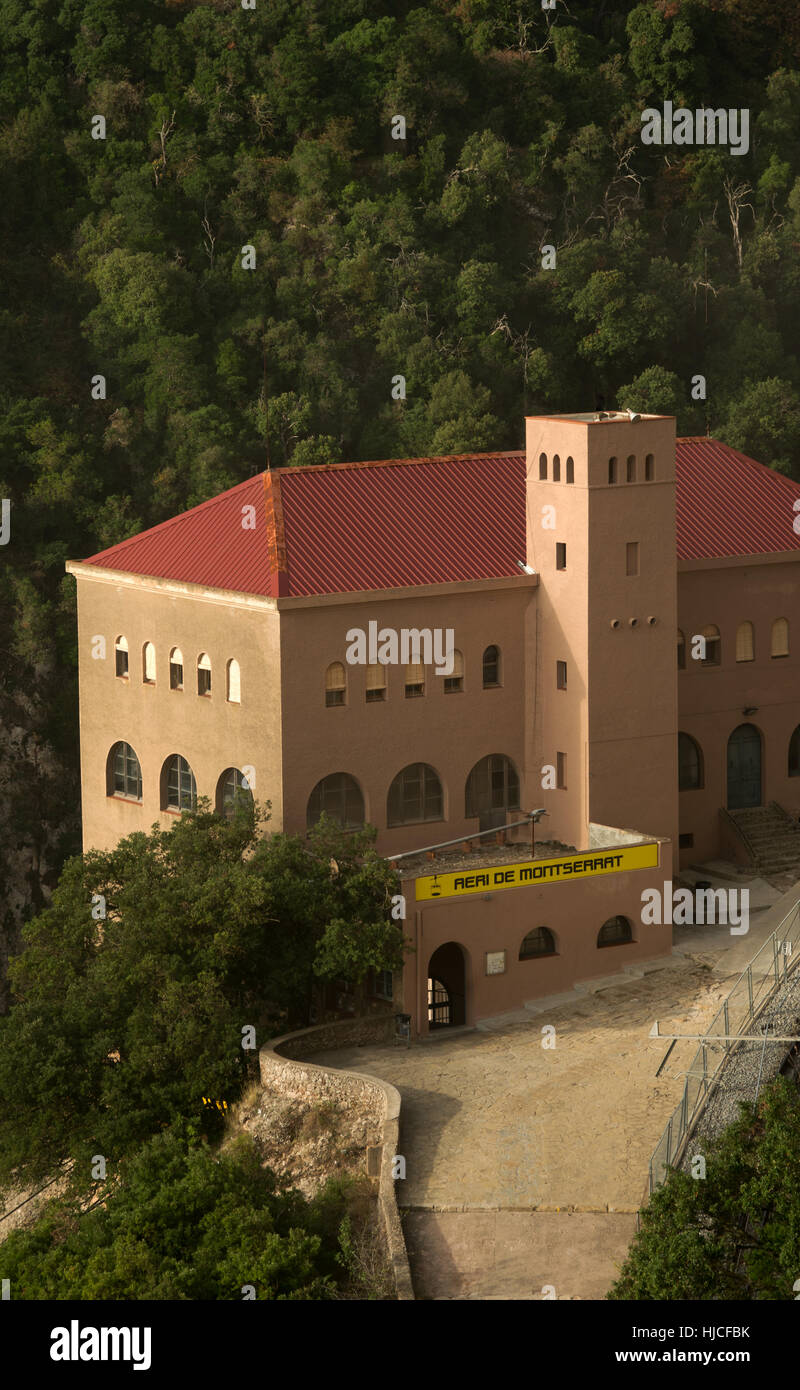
(602, 626)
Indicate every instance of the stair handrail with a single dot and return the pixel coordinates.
(743, 836)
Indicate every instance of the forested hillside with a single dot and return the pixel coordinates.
(375, 257)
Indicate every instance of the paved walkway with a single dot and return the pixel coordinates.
(492, 1121)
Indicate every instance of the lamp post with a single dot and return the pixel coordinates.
(534, 817)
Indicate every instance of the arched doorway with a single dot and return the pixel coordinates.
(744, 767)
(447, 987)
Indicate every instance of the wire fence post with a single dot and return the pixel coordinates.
(750, 991)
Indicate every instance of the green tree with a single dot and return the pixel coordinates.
(734, 1234)
(118, 1024)
(181, 1222)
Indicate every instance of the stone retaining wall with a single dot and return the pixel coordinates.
(282, 1067)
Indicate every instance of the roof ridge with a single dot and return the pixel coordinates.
(391, 463)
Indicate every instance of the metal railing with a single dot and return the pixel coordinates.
(766, 973)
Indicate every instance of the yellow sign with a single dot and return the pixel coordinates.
(616, 860)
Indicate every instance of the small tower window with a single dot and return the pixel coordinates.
(561, 555)
(556, 468)
(234, 693)
(632, 557)
(542, 466)
(780, 638)
(149, 664)
(121, 652)
(570, 469)
(335, 684)
(176, 669)
(455, 681)
(491, 667)
(744, 642)
(204, 674)
(561, 675)
(612, 470)
(376, 683)
(649, 468)
(713, 641)
(631, 468)
(415, 681)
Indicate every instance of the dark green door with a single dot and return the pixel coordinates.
(744, 767)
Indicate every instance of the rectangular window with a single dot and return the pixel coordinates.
(376, 683)
(632, 557)
(415, 681)
(649, 468)
(382, 984)
(203, 681)
(561, 675)
(334, 697)
(561, 771)
(561, 555)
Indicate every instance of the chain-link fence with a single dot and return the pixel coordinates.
(767, 973)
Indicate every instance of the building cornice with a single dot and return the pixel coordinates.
(723, 562)
(150, 583)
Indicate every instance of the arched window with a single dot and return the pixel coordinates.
(492, 785)
(204, 674)
(376, 682)
(744, 642)
(234, 682)
(455, 681)
(415, 795)
(690, 764)
(149, 664)
(338, 796)
(556, 468)
(612, 469)
(491, 667)
(681, 651)
(631, 468)
(233, 793)
(713, 656)
(123, 773)
(780, 637)
(176, 669)
(794, 753)
(539, 942)
(415, 681)
(178, 787)
(570, 469)
(649, 468)
(121, 652)
(615, 932)
(335, 684)
(542, 466)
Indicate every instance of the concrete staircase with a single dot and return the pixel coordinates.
(772, 837)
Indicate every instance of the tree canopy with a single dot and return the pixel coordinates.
(733, 1233)
(121, 1023)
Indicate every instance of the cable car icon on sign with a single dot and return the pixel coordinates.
(436, 891)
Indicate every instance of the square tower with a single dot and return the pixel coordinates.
(600, 532)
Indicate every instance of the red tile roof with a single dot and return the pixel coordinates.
(397, 523)
(728, 504)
